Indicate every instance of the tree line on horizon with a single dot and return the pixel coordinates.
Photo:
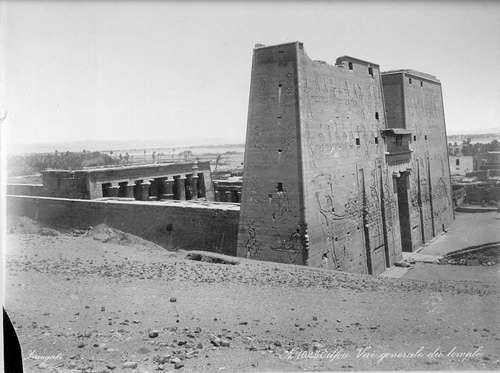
(28, 164)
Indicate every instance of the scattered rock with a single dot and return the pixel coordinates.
(215, 341)
(175, 360)
(178, 365)
(129, 365)
(153, 333)
(162, 359)
(173, 300)
(43, 365)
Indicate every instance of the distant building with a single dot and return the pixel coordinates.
(489, 161)
(228, 190)
(461, 164)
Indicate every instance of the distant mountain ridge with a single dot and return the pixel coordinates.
(486, 131)
(474, 137)
(115, 145)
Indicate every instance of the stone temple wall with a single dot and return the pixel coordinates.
(316, 188)
(272, 227)
(414, 101)
(173, 225)
(349, 202)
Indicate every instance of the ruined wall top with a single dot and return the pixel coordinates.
(342, 59)
(413, 73)
(96, 170)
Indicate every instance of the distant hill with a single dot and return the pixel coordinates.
(474, 137)
(485, 131)
(113, 145)
(215, 142)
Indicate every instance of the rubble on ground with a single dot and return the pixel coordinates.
(487, 256)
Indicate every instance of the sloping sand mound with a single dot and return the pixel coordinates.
(25, 225)
(106, 234)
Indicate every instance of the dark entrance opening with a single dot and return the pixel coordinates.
(384, 220)
(430, 196)
(404, 211)
(361, 186)
(105, 191)
(122, 191)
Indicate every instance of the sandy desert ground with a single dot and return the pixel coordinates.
(103, 301)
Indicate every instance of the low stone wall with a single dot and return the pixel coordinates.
(26, 189)
(479, 193)
(210, 227)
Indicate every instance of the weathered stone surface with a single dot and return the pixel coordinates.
(322, 184)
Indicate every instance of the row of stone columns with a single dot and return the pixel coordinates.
(179, 187)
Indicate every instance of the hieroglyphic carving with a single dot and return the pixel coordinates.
(339, 89)
(339, 219)
(390, 206)
(280, 206)
(252, 245)
(373, 213)
(292, 246)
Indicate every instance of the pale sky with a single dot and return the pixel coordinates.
(130, 70)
